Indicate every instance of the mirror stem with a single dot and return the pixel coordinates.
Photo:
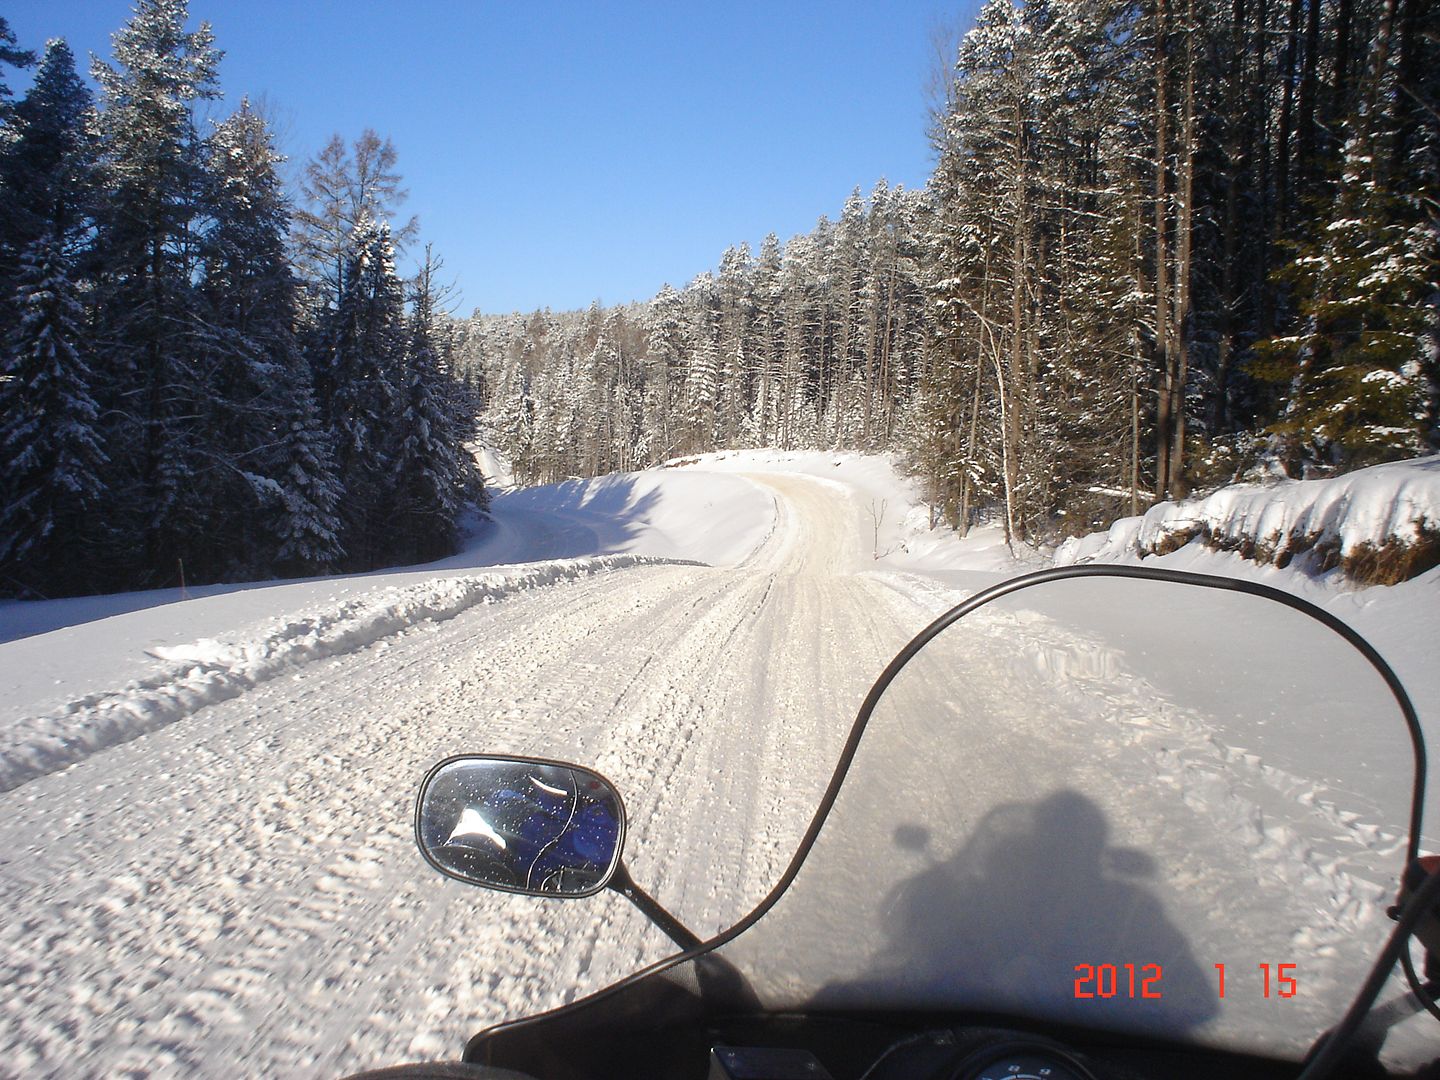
(622, 883)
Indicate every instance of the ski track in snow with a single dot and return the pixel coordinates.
(212, 872)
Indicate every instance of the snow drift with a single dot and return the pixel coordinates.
(1380, 525)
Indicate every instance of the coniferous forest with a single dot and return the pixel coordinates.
(1166, 244)
(204, 378)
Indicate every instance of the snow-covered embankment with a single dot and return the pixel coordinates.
(1379, 525)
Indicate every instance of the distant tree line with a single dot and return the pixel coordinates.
(816, 344)
(1165, 243)
(197, 382)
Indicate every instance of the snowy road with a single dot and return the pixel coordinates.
(241, 887)
(206, 858)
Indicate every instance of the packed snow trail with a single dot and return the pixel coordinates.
(1028, 797)
(235, 890)
(239, 890)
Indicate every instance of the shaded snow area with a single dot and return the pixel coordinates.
(713, 519)
(702, 516)
(1367, 508)
(207, 866)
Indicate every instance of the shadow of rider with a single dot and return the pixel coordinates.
(1002, 924)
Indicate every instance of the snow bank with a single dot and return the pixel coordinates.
(1310, 538)
(210, 670)
(1379, 525)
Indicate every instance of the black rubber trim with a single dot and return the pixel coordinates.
(674, 929)
(1331, 1050)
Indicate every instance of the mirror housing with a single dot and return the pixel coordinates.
(521, 825)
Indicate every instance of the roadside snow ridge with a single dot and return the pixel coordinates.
(208, 671)
(1397, 503)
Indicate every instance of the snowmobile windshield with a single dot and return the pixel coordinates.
(1136, 805)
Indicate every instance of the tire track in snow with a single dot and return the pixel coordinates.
(238, 891)
(159, 829)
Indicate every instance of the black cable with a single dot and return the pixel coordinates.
(1419, 989)
(1333, 1048)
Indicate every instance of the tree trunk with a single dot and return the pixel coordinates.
(1185, 241)
(1305, 165)
(1282, 153)
(1163, 336)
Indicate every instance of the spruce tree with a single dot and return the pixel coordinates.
(431, 476)
(149, 313)
(276, 493)
(12, 56)
(51, 451)
(1355, 387)
(46, 170)
(359, 381)
(665, 352)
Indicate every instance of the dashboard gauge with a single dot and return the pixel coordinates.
(1018, 1061)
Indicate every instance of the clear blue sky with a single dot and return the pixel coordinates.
(559, 153)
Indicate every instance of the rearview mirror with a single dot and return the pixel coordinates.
(521, 825)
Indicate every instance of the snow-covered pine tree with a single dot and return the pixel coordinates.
(912, 319)
(51, 451)
(666, 353)
(963, 439)
(801, 281)
(850, 258)
(768, 337)
(513, 420)
(148, 313)
(1080, 443)
(1365, 284)
(46, 169)
(1419, 94)
(702, 380)
(358, 382)
(463, 396)
(10, 56)
(1355, 380)
(305, 522)
(735, 306)
(275, 492)
(432, 471)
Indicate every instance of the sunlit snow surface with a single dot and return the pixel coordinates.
(206, 859)
(1373, 506)
(472, 824)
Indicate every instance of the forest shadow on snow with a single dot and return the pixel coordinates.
(561, 521)
(569, 520)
